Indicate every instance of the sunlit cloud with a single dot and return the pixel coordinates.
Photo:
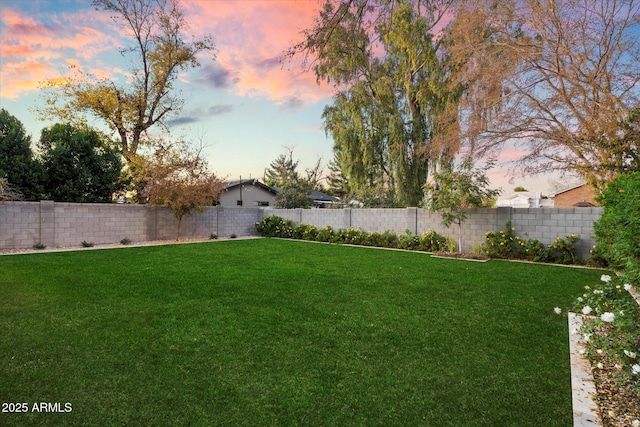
(35, 52)
(251, 38)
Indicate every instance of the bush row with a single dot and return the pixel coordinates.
(506, 245)
(275, 226)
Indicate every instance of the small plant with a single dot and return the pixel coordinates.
(39, 246)
(86, 244)
(213, 236)
(125, 241)
(233, 236)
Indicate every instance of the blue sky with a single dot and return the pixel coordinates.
(245, 105)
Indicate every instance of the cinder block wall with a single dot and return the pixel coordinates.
(24, 224)
(544, 224)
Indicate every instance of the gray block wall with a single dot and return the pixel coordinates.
(23, 224)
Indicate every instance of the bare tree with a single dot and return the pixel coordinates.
(159, 51)
(560, 78)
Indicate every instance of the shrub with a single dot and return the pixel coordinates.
(275, 226)
(325, 234)
(563, 250)
(433, 242)
(305, 232)
(408, 241)
(618, 228)
(86, 244)
(233, 236)
(213, 236)
(125, 241)
(39, 246)
(500, 244)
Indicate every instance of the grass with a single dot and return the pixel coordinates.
(271, 332)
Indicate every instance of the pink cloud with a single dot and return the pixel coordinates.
(251, 37)
(33, 51)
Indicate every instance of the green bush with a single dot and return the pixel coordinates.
(506, 245)
(305, 232)
(325, 234)
(433, 242)
(275, 226)
(86, 244)
(500, 244)
(618, 229)
(563, 250)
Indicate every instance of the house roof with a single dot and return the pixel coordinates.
(552, 195)
(319, 195)
(255, 182)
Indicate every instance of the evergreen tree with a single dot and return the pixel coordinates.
(17, 163)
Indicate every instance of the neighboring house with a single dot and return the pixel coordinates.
(322, 200)
(579, 196)
(249, 193)
(524, 199)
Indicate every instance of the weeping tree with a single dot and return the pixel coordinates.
(159, 50)
(394, 93)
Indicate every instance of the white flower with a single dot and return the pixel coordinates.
(636, 369)
(635, 423)
(580, 299)
(557, 310)
(627, 287)
(599, 351)
(600, 365)
(586, 337)
(630, 354)
(587, 287)
(586, 310)
(607, 316)
(605, 278)
(581, 351)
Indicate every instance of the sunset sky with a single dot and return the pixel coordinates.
(247, 104)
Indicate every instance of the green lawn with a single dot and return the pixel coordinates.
(272, 332)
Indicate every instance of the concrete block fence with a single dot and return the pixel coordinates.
(23, 224)
(544, 224)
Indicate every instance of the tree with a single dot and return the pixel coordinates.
(17, 164)
(394, 96)
(293, 189)
(7, 192)
(452, 192)
(282, 170)
(520, 189)
(618, 229)
(178, 177)
(558, 77)
(160, 50)
(80, 165)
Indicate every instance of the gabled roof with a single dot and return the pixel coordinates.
(319, 195)
(255, 182)
(552, 195)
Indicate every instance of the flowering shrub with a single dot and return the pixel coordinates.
(500, 244)
(612, 333)
(275, 226)
(325, 234)
(506, 245)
